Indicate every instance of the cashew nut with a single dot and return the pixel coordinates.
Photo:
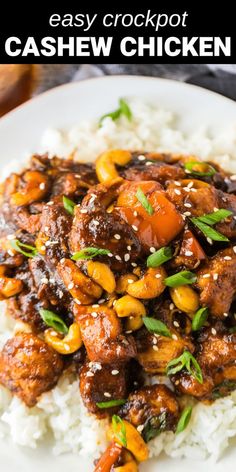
(102, 275)
(151, 285)
(185, 298)
(35, 189)
(105, 164)
(9, 287)
(124, 281)
(67, 345)
(129, 306)
(135, 442)
(81, 287)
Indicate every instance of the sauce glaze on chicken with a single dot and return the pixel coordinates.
(87, 260)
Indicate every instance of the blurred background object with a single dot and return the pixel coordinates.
(17, 83)
(20, 82)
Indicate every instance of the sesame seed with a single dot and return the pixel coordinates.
(129, 331)
(158, 276)
(52, 280)
(71, 285)
(134, 228)
(152, 249)
(126, 257)
(187, 213)
(234, 249)
(193, 190)
(209, 240)
(94, 314)
(148, 163)
(42, 186)
(206, 276)
(77, 301)
(233, 177)
(62, 260)
(187, 171)
(110, 254)
(107, 394)
(215, 209)
(140, 428)
(83, 210)
(178, 192)
(53, 333)
(225, 315)
(96, 305)
(60, 294)
(114, 372)
(213, 330)
(97, 366)
(102, 300)
(175, 323)
(46, 228)
(130, 281)
(187, 205)
(129, 248)
(10, 237)
(118, 258)
(10, 252)
(50, 203)
(190, 185)
(44, 280)
(155, 348)
(187, 189)
(234, 217)
(154, 340)
(96, 223)
(141, 158)
(66, 347)
(227, 258)
(178, 184)
(171, 306)
(177, 382)
(117, 236)
(90, 374)
(188, 253)
(135, 213)
(174, 337)
(215, 276)
(78, 176)
(134, 264)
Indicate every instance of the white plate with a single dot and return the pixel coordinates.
(21, 130)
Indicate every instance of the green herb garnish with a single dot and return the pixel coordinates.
(119, 430)
(159, 257)
(195, 166)
(54, 321)
(154, 427)
(123, 109)
(144, 201)
(184, 419)
(199, 318)
(89, 253)
(156, 326)
(188, 362)
(69, 205)
(185, 277)
(17, 245)
(205, 222)
(110, 403)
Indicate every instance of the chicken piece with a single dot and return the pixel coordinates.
(101, 332)
(29, 367)
(216, 356)
(93, 226)
(154, 407)
(191, 252)
(217, 282)
(101, 383)
(159, 171)
(46, 282)
(55, 225)
(154, 353)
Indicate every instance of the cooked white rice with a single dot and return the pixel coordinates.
(61, 412)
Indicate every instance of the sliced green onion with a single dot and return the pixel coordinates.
(123, 109)
(154, 426)
(89, 253)
(110, 403)
(215, 217)
(208, 231)
(159, 257)
(119, 430)
(184, 419)
(54, 321)
(69, 205)
(185, 277)
(197, 165)
(199, 318)
(17, 245)
(187, 361)
(144, 201)
(156, 326)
